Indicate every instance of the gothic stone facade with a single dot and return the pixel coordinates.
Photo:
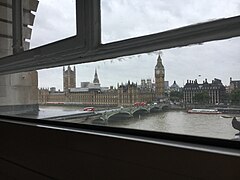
(69, 78)
(124, 95)
(159, 78)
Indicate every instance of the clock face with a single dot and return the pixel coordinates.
(158, 71)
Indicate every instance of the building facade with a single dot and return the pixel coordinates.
(206, 93)
(159, 78)
(174, 87)
(234, 85)
(69, 78)
(124, 95)
(18, 91)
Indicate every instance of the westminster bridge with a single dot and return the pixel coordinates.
(129, 112)
(110, 114)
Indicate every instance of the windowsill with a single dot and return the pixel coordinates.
(203, 144)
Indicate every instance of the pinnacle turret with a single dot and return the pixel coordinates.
(96, 80)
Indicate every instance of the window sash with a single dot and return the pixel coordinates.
(86, 45)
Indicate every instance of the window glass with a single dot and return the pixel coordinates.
(123, 19)
(192, 90)
(54, 20)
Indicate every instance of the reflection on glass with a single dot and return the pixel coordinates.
(123, 19)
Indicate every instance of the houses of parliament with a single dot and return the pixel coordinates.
(92, 94)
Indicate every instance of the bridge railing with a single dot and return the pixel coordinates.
(108, 113)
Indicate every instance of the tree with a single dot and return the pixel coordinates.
(176, 96)
(201, 98)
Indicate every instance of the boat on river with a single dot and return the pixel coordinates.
(204, 111)
(226, 116)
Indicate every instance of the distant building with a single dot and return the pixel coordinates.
(146, 85)
(88, 86)
(216, 91)
(69, 78)
(166, 86)
(43, 95)
(143, 84)
(125, 95)
(93, 94)
(159, 78)
(52, 90)
(84, 84)
(149, 84)
(174, 87)
(234, 85)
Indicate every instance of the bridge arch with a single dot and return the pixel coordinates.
(140, 110)
(154, 109)
(119, 115)
(165, 107)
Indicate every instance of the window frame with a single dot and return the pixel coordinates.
(86, 47)
(207, 144)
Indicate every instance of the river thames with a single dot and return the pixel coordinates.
(179, 122)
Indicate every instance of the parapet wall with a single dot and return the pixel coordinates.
(18, 92)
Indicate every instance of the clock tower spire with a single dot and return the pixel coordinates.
(159, 78)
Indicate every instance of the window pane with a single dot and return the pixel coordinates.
(122, 19)
(151, 91)
(55, 20)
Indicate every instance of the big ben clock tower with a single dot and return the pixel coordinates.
(159, 78)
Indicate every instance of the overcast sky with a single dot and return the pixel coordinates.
(121, 19)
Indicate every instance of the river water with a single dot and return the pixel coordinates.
(178, 122)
